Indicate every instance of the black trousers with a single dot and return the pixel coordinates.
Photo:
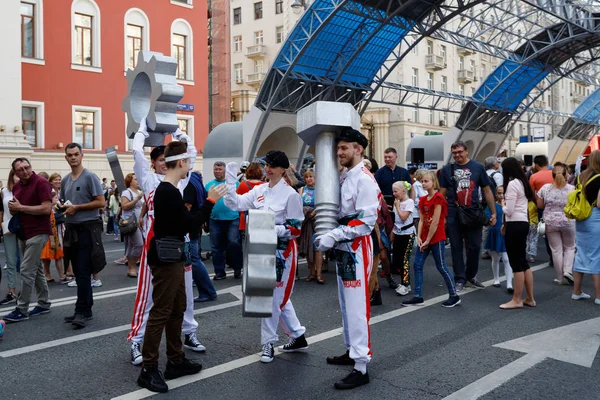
(80, 255)
(516, 245)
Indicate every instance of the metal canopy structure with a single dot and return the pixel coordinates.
(345, 51)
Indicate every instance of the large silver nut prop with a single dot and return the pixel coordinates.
(259, 264)
(319, 125)
(153, 93)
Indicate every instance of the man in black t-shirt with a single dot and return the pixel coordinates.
(193, 197)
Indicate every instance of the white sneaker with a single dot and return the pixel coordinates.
(267, 353)
(582, 296)
(136, 354)
(73, 283)
(402, 290)
(569, 276)
(96, 283)
(597, 301)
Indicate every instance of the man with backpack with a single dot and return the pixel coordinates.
(492, 169)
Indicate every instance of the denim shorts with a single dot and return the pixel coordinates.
(385, 239)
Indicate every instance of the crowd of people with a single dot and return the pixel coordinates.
(390, 219)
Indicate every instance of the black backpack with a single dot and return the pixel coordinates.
(493, 185)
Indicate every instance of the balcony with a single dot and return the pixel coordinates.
(463, 51)
(434, 62)
(582, 82)
(539, 104)
(255, 79)
(466, 76)
(256, 51)
(578, 97)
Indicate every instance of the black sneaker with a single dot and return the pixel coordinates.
(295, 345)
(341, 360)
(219, 277)
(391, 282)
(451, 302)
(37, 310)
(10, 298)
(151, 379)
(79, 321)
(183, 368)
(268, 353)
(375, 299)
(415, 301)
(477, 283)
(237, 274)
(355, 379)
(86, 315)
(191, 342)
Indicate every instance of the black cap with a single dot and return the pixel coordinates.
(157, 152)
(276, 158)
(352, 135)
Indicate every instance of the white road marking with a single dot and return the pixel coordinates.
(102, 332)
(244, 361)
(575, 343)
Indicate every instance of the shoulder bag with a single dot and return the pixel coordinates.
(470, 217)
(128, 226)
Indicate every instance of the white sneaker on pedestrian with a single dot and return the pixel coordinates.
(582, 296)
(597, 301)
(96, 283)
(73, 283)
(136, 353)
(403, 290)
(569, 277)
(267, 353)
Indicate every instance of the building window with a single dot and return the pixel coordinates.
(27, 30)
(415, 77)
(259, 66)
(444, 84)
(186, 124)
(444, 119)
(181, 49)
(258, 11)
(29, 117)
(237, 44)
(279, 34)
(86, 34)
(443, 52)
(83, 39)
(237, 16)
(137, 36)
(473, 66)
(461, 90)
(429, 47)
(415, 113)
(430, 116)
(430, 80)
(461, 63)
(258, 37)
(85, 129)
(238, 72)
(483, 70)
(278, 6)
(134, 44)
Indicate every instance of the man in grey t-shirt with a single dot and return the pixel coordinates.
(82, 198)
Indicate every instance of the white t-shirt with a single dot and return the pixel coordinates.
(419, 192)
(406, 205)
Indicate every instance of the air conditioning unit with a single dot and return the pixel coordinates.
(442, 122)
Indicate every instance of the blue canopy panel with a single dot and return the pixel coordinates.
(509, 84)
(589, 109)
(336, 43)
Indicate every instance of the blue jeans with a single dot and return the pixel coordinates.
(199, 272)
(225, 236)
(437, 250)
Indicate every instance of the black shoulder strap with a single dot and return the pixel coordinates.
(454, 185)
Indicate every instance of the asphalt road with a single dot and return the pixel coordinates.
(418, 353)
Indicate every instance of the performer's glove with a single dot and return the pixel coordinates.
(179, 136)
(280, 230)
(143, 128)
(231, 171)
(325, 242)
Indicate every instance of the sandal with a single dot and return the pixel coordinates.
(310, 278)
(320, 280)
(51, 280)
(132, 275)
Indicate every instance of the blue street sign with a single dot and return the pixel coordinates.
(185, 107)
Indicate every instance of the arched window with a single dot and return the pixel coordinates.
(182, 45)
(137, 35)
(85, 35)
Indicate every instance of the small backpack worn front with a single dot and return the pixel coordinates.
(578, 207)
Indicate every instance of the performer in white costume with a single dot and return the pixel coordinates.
(286, 203)
(359, 204)
(149, 181)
